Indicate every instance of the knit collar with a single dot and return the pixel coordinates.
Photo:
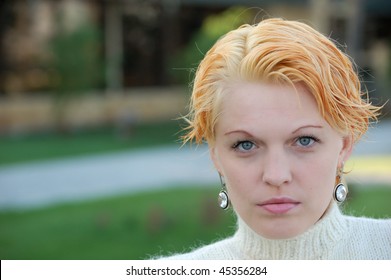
(315, 243)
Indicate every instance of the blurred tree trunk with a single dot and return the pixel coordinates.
(320, 15)
(113, 45)
(4, 17)
(170, 34)
(355, 27)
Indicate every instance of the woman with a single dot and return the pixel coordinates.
(280, 107)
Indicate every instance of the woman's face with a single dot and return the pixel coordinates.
(278, 156)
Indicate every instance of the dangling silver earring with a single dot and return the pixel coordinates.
(340, 190)
(223, 196)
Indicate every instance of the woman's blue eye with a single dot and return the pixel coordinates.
(244, 145)
(305, 141)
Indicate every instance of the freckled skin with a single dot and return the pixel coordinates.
(272, 142)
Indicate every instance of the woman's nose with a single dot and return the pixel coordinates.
(276, 170)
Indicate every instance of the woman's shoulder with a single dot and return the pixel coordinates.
(220, 250)
(365, 239)
(363, 220)
(370, 228)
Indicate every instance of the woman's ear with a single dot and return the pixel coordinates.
(215, 158)
(347, 148)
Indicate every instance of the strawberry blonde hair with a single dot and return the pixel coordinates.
(279, 51)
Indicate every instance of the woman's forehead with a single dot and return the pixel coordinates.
(267, 97)
(268, 106)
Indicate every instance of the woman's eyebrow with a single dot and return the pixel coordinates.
(238, 131)
(307, 126)
(296, 130)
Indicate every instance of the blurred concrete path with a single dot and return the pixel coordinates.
(49, 182)
(43, 183)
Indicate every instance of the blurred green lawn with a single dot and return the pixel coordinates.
(125, 227)
(139, 226)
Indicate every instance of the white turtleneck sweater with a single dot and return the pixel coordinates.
(334, 237)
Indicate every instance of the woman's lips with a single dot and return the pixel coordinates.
(279, 205)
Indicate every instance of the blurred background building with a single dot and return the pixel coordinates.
(69, 63)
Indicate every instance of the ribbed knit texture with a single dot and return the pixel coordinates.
(334, 237)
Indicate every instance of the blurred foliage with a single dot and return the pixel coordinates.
(140, 226)
(77, 60)
(78, 66)
(213, 27)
